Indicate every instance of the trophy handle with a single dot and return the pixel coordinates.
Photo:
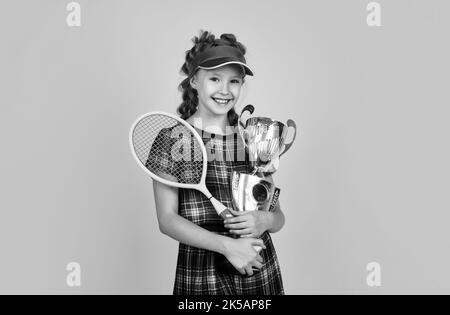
(290, 123)
(241, 125)
(248, 108)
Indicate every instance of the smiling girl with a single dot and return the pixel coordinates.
(216, 71)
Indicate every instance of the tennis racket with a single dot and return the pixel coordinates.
(169, 149)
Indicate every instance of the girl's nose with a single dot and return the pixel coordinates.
(224, 89)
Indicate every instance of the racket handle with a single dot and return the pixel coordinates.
(226, 214)
(221, 209)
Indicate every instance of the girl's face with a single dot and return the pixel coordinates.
(218, 89)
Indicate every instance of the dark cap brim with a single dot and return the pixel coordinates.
(220, 56)
(217, 64)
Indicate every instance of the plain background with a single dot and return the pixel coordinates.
(367, 179)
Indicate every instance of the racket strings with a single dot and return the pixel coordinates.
(168, 149)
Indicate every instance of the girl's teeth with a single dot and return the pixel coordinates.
(221, 101)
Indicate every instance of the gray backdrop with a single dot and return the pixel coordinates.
(366, 181)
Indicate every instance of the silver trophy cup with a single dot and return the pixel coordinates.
(265, 142)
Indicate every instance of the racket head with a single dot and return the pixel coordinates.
(143, 134)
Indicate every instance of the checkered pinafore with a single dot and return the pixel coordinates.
(196, 271)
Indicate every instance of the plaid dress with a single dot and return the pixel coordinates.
(196, 271)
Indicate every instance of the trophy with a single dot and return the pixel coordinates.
(265, 142)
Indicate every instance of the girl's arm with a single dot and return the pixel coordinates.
(241, 254)
(255, 223)
(275, 220)
(179, 228)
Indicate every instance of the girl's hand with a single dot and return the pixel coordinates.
(241, 254)
(248, 223)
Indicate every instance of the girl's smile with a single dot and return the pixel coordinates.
(222, 101)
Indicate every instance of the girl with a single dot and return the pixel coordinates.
(215, 69)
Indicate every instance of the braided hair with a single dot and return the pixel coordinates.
(189, 95)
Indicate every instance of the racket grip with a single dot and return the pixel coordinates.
(221, 209)
(226, 214)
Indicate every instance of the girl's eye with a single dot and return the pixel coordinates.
(232, 81)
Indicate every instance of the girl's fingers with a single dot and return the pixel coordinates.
(242, 232)
(249, 270)
(235, 220)
(257, 265)
(259, 242)
(236, 213)
(237, 226)
(259, 259)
